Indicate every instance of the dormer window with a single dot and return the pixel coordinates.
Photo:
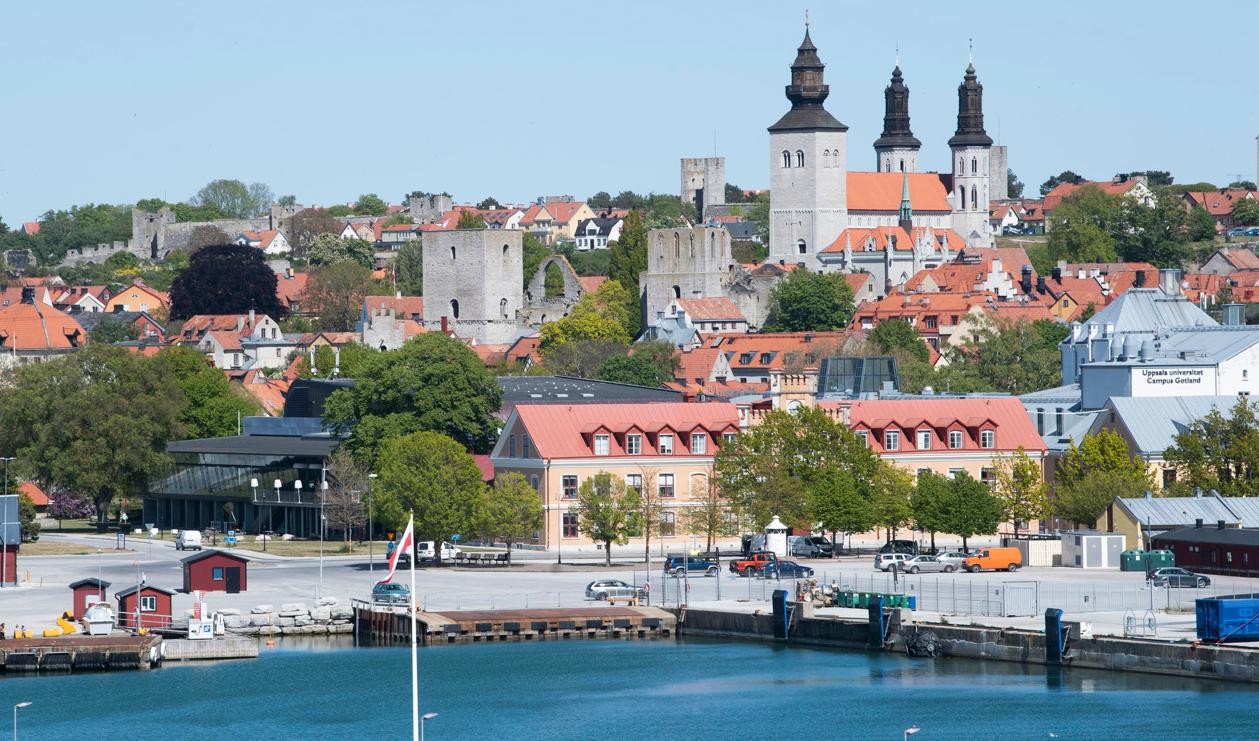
(699, 443)
(956, 439)
(864, 437)
(634, 444)
(924, 439)
(665, 445)
(892, 440)
(601, 444)
(988, 439)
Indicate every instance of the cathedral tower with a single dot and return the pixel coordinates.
(808, 166)
(970, 147)
(897, 149)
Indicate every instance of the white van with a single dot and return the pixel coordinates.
(188, 540)
(425, 551)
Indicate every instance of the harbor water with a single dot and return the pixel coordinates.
(624, 690)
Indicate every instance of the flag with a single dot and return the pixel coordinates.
(406, 544)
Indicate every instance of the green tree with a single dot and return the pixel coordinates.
(891, 490)
(309, 224)
(628, 260)
(226, 279)
(1219, 451)
(1014, 186)
(534, 252)
(1202, 224)
(711, 515)
(758, 213)
(289, 200)
(931, 503)
(329, 249)
(1011, 356)
(432, 383)
(1154, 178)
(605, 511)
(234, 199)
(370, 204)
(600, 316)
(212, 406)
(600, 200)
(27, 515)
(841, 502)
(1066, 176)
(470, 220)
(489, 203)
(1081, 228)
(1084, 501)
(1104, 450)
(408, 268)
(1246, 212)
(431, 476)
(513, 510)
(734, 194)
(891, 335)
(1243, 185)
(88, 224)
(973, 510)
(335, 292)
(809, 302)
(553, 281)
(636, 369)
(1020, 487)
(110, 330)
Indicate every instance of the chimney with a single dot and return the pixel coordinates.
(1169, 281)
(251, 318)
(445, 326)
(1219, 524)
(28, 295)
(1139, 279)
(1198, 523)
(1056, 274)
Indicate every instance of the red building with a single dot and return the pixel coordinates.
(8, 564)
(88, 592)
(215, 571)
(155, 606)
(1214, 549)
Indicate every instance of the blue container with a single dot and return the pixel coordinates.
(1231, 619)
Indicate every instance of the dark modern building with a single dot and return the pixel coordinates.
(1214, 548)
(568, 390)
(857, 377)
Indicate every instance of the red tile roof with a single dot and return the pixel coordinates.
(405, 307)
(563, 211)
(591, 283)
(719, 309)
(696, 365)
(1006, 416)
(289, 288)
(566, 431)
(858, 237)
(881, 191)
(1220, 203)
(745, 351)
(37, 495)
(1063, 190)
(30, 227)
(525, 349)
(1241, 258)
(37, 326)
(484, 463)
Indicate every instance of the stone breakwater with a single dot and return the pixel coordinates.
(327, 617)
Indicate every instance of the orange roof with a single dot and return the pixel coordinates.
(290, 287)
(566, 430)
(229, 340)
(1241, 258)
(900, 305)
(1220, 202)
(710, 309)
(1006, 415)
(881, 191)
(563, 211)
(30, 227)
(856, 281)
(269, 393)
(745, 351)
(696, 365)
(591, 283)
(491, 354)
(525, 348)
(1030, 311)
(37, 495)
(263, 237)
(1063, 190)
(880, 236)
(202, 323)
(38, 326)
(405, 307)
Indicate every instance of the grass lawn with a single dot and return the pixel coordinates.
(303, 547)
(44, 547)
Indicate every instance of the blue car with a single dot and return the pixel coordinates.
(391, 593)
(679, 565)
(785, 570)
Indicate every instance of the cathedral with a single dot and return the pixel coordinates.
(892, 222)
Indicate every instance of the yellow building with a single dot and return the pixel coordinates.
(138, 297)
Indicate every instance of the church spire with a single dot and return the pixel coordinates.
(896, 131)
(807, 93)
(906, 217)
(970, 113)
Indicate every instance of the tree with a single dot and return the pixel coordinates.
(534, 252)
(289, 200)
(226, 279)
(605, 511)
(931, 503)
(1066, 176)
(972, 510)
(1014, 186)
(370, 204)
(553, 281)
(212, 406)
(27, 516)
(1009, 355)
(1020, 488)
(891, 489)
(431, 476)
(513, 510)
(841, 502)
(490, 203)
(328, 249)
(1219, 451)
(638, 368)
(808, 302)
(63, 505)
(470, 220)
(307, 225)
(891, 335)
(1154, 178)
(1104, 450)
(711, 515)
(343, 499)
(335, 291)
(95, 422)
(81, 225)
(1082, 225)
(1243, 185)
(235, 199)
(600, 200)
(1084, 501)
(1246, 212)
(581, 358)
(206, 235)
(734, 194)
(628, 261)
(432, 383)
(408, 267)
(758, 213)
(111, 329)
(646, 519)
(599, 316)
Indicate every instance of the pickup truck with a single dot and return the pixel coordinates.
(753, 563)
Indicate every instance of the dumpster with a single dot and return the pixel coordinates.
(1160, 559)
(1228, 619)
(1132, 560)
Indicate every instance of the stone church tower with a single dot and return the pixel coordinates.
(970, 147)
(472, 283)
(897, 149)
(808, 166)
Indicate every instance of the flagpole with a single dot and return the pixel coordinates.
(415, 675)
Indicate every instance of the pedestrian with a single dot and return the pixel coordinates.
(1, 631)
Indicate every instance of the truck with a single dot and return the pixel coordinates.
(753, 563)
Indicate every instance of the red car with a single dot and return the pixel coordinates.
(753, 564)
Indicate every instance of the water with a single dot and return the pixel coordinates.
(623, 690)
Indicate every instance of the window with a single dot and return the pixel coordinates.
(801, 247)
(634, 444)
(634, 482)
(524, 443)
(216, 573)
(932, 322)
(974, 198)
(924, 439)
(955, 439)
(727, 438)
(988, 439)
(786, 158)
(665, 485)
(766, 358)
(864, 437)
(148, 603)
(953, 472)
(454, 305)
(570, 524)
(533, 481)
(452, 252)
(668, 524)
(799, 158)
(502, 308)
(892, 440)
(568, 487)
(601, 444)
(665, 445)
(699, 443)
(974, 165)
(511, 446)
(987, 475)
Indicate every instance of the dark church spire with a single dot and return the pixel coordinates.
(807, 92)
(896, 132)
(970, 113)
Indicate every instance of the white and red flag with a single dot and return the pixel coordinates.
(406, 544)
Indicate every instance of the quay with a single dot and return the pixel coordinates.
(183, 649)
(378, 625)
(80, 653)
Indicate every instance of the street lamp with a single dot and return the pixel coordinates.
(322, 495)
(422, 718)
(253, 484)
(19, 706)
(371, 488)
(909, 732)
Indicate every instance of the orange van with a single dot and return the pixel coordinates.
(995, 559)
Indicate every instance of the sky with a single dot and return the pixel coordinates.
(113, 102)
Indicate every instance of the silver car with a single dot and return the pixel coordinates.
(603, 586)
(926, 563)
(956, 559)
(884, 561)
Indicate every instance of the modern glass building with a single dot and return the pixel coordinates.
(851, 378)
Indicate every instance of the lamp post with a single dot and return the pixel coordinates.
(18, 707)
(909, 732)
(253, 484)
(424, 717)
(371, 488)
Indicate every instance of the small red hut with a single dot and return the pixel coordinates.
(155, 606)
(215, 571)
(88, 592)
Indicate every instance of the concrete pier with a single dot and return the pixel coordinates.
(80, 653)
(182, 649)
(384, 626)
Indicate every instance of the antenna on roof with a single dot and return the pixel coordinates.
(806, 18)
(898, 53)
(970, 44)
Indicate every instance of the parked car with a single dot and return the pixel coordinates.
(1174, 576)
(752, 564)
(598, 585)
(927, 563)
(995, 559)
(679, 565)
(785, 570)
(624, 590)
(391, 594)
(956, 559)
(884, 561)
(900, 546)
(811, 546)
(188, 540)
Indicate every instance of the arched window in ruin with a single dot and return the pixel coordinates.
(677, 245)
(454, 304)
(453, 256)
(677, 292)
(801, 247)
(505, 247)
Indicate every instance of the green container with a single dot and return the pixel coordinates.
(1160, 559)
(1132, 561)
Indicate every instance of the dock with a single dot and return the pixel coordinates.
(183, 649)
(378, 625)
(80, 653)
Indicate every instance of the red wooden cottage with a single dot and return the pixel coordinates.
(88, 592)
(215, 571)
(155, 606)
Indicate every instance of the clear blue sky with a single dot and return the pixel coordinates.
(111, 102)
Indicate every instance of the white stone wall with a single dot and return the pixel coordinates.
(481, 271)
(807, 203)
(970, 217)
(696, 260)
(892, 159)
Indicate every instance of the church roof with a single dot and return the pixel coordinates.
(881, 191)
